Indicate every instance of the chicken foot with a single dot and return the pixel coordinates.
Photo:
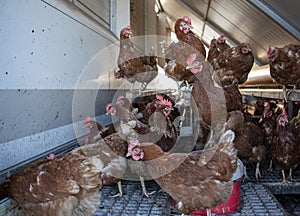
(257, 172)
(284, 181)
(270, 166)
(145, 192)
(120, 190)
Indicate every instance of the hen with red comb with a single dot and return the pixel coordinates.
(183, 32)
(285, 147)
(135, 66)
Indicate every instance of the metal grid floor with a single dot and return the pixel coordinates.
(256, 200)
(272, 180)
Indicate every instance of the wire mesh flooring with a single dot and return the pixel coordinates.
(256, 200)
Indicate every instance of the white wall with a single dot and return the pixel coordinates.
(45, 47)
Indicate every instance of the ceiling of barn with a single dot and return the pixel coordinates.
(262, 23)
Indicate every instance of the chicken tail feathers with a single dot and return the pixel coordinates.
(5, 189)
(226, 143)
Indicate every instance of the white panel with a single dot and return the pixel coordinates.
(46, 47)
(15, 151)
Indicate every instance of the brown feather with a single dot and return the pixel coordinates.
(285, 64)
(233, 65)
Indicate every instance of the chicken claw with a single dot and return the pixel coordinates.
(145, 192)
(284, 181)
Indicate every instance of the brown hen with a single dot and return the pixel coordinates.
(199, 180)
(69, 184)
(285, 64)
(212, 102)
(135, 66)
(96, 130)
(233, 65)
(248, 140)
(216, 47)
(285, 147)
(268, 125)
(163, 131)
(66, 185)
(112, 150)
(182, 28)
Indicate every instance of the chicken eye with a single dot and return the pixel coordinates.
(136, 150)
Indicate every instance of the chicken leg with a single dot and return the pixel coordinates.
(120, 190)
(208, 212)
(284, 181)
(290, 175)
(145, 192)
(257, 172)
(270, 166)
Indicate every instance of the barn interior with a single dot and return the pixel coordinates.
(58, 60)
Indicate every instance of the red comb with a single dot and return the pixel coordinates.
(132, 144)
(166, 102)
(87, 119)
(187, 20)
(108, 106)
(128, 27)
(51, 156)
(191, 59)
(159, 97)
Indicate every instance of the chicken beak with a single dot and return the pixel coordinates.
(189, 67)
(129, 154)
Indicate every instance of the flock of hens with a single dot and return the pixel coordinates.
(146, 130)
